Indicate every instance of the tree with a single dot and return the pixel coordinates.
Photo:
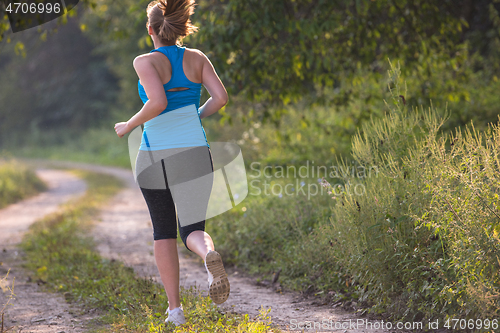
(59, 88)
(280, 50)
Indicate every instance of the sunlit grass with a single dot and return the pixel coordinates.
(95, 145)
(17, 181)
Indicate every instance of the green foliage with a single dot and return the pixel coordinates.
(119, 33)
(321, 53)
(95, 145)
(375, 238)
(461, 175)
(304, 133)
(61, 254)
(282, 57)
(259, 234)
(59, 85)
(400, 248)
(17, 181)
(422, 242)
(317, 132)
(311, 48)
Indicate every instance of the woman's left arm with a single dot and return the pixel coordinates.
(157, 100)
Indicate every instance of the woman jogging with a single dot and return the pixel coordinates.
(174, 153)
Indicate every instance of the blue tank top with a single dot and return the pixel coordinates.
(179, 125)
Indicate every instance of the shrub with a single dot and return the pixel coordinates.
(422, 241)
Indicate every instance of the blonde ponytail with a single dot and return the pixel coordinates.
(170, 19)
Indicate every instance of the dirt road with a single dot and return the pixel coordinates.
(31, 309)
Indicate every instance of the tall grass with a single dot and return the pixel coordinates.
(462, 178)
(423, 241)
(17, 181)
(8, 290)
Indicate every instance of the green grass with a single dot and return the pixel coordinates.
(266, 232)
(95, 145)
(60, 253)
(17, 181)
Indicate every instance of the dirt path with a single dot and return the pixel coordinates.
(124, 233)
(31, 309)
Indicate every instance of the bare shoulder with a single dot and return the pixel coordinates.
(195, 52)
(196, 55)
(142, 59)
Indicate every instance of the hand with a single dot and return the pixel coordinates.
(122, 128)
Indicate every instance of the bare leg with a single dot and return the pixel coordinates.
(167, 261)
(200, 243)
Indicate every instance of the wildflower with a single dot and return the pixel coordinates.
(324, 182)
(302, 183)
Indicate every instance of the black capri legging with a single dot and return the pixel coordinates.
(173, 180)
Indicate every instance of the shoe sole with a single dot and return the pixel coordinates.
(219, 288)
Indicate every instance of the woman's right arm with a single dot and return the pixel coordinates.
(157, 100)
(213, 84)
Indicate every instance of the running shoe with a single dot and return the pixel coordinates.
(218, 283)
(175, 316)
